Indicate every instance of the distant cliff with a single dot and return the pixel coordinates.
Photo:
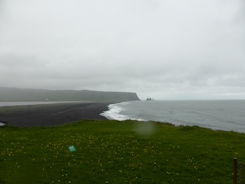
(16, 94)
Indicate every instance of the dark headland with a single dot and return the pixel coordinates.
(91, 105)
(17, 94)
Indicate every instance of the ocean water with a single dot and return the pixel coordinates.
(220, 114)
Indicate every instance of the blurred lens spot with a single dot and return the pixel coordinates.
(145, 129)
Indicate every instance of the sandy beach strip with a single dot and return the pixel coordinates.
(51, 115)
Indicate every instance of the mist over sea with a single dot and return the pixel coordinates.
(215, 114)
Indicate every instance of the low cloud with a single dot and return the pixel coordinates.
(164, 49)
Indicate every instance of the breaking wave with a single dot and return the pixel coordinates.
(2, 124)
(115, 113)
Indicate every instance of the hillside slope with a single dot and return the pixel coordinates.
(118, 152)
(16, 94)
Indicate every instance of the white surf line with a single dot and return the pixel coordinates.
(2, 124)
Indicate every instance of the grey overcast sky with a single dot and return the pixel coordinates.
(165, 49)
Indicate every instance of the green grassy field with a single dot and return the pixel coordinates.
(118, 152)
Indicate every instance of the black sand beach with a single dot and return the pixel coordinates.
(52, 114)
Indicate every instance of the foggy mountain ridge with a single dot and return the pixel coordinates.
(22, 94)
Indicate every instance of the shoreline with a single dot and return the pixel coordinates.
(61, 113)
(51, 114)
